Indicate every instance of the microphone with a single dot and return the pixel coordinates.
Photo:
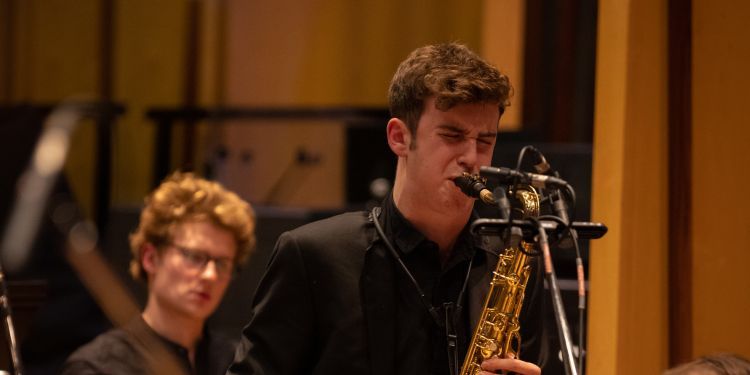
(540, 163)
(537, 180)
(473, 186)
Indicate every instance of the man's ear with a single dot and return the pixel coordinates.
(399, 136)
(149, 258)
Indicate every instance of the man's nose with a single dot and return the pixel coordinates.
(468, 157)
(210, 271)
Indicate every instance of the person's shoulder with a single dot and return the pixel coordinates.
(219, 342)
(220, 348)
(347, 223)
(102, 344)
(345, 232)
(110, 350)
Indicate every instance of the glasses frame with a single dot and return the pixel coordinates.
(198, 260)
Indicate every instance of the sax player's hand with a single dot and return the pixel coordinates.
(517, 366)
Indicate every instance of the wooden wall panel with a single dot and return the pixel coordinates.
(503, 45)
(721, 133)
(330, 53)
(149, 59)
(54, 57)
(7, 21)
(628, 310)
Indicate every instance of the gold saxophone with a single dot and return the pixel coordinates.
(497, 333)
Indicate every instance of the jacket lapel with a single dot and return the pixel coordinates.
(378, 299)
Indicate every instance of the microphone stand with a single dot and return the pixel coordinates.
(563, 331)
(474, 186)
(503, 206)
(540, 228)
(561, 210)
(10, 332)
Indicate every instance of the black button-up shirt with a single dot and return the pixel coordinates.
(420, 340)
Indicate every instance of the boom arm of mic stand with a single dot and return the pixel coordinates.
(584, 229)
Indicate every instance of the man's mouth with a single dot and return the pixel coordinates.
(203, 296)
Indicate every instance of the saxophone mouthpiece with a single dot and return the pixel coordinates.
(474, 186)
(486, 196)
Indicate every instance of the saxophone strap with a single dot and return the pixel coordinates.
(452, 311)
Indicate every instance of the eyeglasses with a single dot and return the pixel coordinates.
(197, 260)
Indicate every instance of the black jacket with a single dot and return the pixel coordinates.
(326, 304)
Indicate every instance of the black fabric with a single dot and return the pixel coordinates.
(421, 340)
(125, 351)
(334, 301)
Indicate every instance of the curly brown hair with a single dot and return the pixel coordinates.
(453, 74)
(183, 197)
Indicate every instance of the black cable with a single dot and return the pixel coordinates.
(448, 324)
(430, 307)
(519, 161)
(572, 196)
(580, 277)
(521, 155)
(581, 299)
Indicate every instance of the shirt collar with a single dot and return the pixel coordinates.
(139, 325)
(407, 238)
(402, 233)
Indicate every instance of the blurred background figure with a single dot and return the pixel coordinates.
(192, 236)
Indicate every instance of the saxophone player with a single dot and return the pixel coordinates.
(392, 291)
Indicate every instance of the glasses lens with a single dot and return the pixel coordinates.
(223, 266)
(199, 260)
(194, 259)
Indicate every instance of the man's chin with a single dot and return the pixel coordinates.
(458, 202)
(200, 311)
